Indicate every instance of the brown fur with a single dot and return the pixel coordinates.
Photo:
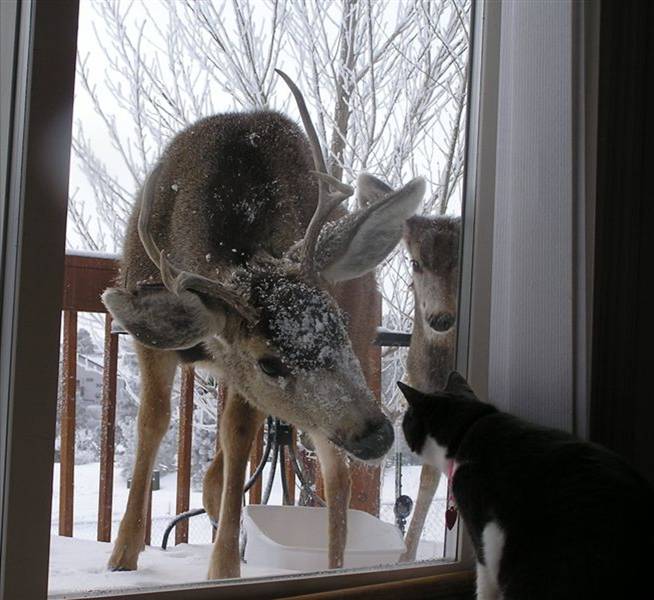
(227, 200)
(198, 220)
(157, 374)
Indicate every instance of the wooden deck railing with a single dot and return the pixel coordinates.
(86, 277)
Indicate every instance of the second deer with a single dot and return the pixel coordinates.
(433, 244)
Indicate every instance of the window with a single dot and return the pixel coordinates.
(408, 158)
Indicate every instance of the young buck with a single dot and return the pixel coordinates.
(433, 244)
(230, 260)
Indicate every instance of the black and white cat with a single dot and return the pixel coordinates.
(550, 517)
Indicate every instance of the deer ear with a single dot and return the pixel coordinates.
(457, 385)
(162, 320)
(358, 242)
(370, 189)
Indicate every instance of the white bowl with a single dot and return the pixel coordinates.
(296, 537)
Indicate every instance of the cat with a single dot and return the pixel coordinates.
(550, 516)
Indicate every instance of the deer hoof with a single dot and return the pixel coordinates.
(225, 571)
(124, 558)
(408, 556)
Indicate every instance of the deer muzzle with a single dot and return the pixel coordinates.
(373, 442)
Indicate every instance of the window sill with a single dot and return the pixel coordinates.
(459, 585)
(456, 583)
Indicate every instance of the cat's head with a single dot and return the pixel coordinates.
(443, 417)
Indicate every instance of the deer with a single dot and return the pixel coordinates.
(433, 247)
(231, 256)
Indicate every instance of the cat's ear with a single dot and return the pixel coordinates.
(413, 396)
(458, 386)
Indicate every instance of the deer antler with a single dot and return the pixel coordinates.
(327, 200)
(177, 280)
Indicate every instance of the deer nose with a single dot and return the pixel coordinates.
(373, 442)
(441, 322)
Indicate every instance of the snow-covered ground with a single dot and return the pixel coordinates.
(78, 564)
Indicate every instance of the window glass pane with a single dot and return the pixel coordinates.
(385, 84)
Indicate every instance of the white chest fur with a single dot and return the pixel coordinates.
(434, 455)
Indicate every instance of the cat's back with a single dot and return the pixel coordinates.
(533, 456)
(577, 519)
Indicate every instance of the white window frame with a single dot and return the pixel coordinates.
(34, 208)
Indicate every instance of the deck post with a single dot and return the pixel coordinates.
(67, 421)
(184, 444)
(107, 432)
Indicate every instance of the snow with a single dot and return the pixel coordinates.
(93, 254)
(78, 564)
(387, 330)
(302, 321)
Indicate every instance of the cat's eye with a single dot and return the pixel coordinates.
(273, 367)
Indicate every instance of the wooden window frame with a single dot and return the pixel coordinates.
(35, 206)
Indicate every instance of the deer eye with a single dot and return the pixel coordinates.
(415, 265)
(273, 367)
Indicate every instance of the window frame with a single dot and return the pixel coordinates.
(43, 68)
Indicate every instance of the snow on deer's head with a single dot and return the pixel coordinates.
(433, 244)
(272, 328)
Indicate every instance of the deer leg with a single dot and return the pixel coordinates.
(238, 425)
(157, 373)
(429, 478)
(336, 475)
(212, 486)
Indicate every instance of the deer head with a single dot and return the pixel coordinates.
(271, 328)
(433, 244)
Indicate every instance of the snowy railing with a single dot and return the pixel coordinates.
(86, 277)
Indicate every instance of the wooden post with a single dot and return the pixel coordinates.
(255, 457)
(290, 471)
(67, 420)
(107, 432)
(184, 451)
(366, 480)
(148, 518)
(85, 278)
(311, 471)
(361, 300)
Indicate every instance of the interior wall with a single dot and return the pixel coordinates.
(536, 276)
